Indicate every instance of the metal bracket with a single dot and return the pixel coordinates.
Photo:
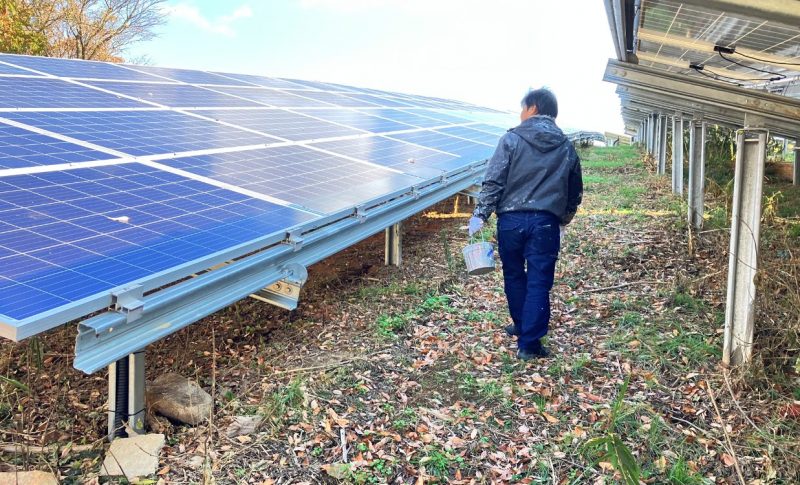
(361, 213)
(129, 301)
(286, 292)
(295, 240)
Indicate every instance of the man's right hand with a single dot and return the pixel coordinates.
(475, 225)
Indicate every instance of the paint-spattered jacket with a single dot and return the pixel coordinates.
(534, 168)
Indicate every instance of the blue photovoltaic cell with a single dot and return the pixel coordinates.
(495, 130)
(313, 84)
(33, 92)
(190, 76)
(284, 124)
(406, 117)
(6, 69)
(413, 101)
(334, 99)
(141, 132)
(272, 97)
(57, 250)
(382, 101)
(269, 82)
(22, 148)
(469, 151)
(445, 117)
(357, 119)
(316, 180)
(75, 68)
(174, 95)
(394, 154)
(472, 135)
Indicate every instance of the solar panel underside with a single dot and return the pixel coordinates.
(112, 175)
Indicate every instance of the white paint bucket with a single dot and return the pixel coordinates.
(479, 258)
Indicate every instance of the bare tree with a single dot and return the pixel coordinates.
(92, 29)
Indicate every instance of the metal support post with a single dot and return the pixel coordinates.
(662, 146)
(677, 154)
(656, 137)
(651, 147)
(751, 144)
(796, 165)
(697, 168)
(394, 250)
(126, 409)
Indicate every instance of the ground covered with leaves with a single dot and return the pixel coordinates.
(404, 375)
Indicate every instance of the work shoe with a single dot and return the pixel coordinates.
(537, 353)
(511, 330)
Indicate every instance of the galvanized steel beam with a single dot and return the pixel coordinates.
(662, 145)
(110, 336)
(750, 103)
(394, 248)
(677, 154)
(126, 406)
(751, 144)
(796, 164)
(697, 166)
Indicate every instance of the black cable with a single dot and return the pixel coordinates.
(769, 62)
(719, 77)
(699, 70)
(780, 76)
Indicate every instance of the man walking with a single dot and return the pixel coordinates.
(533, 183)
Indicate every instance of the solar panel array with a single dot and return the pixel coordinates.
(112, 175)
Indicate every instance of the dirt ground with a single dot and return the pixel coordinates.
(403, 375)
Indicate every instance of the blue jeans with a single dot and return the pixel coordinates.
(528, 239)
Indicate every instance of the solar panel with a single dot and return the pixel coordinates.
(22, 148)
(269, 82)
(32, 92)
(272, 97)
(408, 158)
(93, 241)
(470, 134)
(173, 95)
(463, 148)
(6, 69)
(335, 99)
(71, 68)
(99, 190)
(357, 119)
(141, 132)
(382, 101)
(407, 117)
(189, 76)
(288, 125)
(297, 174)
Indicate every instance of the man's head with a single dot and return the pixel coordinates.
(539, 102)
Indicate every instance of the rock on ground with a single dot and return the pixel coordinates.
(27, 478)
(243, 425)
(179, 398)
(133, 457)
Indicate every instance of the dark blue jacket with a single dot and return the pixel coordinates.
(534, 168)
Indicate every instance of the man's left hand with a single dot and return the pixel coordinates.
(475, 225)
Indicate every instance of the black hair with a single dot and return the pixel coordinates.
(544, 100)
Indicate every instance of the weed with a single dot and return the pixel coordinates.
(436, 303)
(283, 402)
(680, 474)
(611, 447)
(390, 325)
(439, 461)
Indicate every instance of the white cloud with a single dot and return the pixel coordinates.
(222, 25)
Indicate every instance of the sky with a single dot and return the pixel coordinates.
(484, 52)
